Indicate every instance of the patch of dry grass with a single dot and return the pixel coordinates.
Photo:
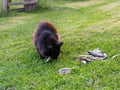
(110, 6)
(77, 5)
(13, 22)
(104, 25)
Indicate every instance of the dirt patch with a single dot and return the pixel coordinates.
(110, 6)
(77, 5)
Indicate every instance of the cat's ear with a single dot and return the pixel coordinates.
(60, 44)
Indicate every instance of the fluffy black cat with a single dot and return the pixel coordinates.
(46, 40)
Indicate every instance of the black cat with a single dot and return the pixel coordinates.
(46, 40)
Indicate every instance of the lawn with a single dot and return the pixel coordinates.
(83, 25)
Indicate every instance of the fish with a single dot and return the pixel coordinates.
(48, 59)
(96, 54)
(65, 70)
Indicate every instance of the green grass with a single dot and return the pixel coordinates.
(0, 6)
(81, 29)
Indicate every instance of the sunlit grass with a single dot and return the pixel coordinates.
(81, 29)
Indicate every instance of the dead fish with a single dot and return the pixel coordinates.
(97, 50)
(65, 70)
(96, 53)
(48, 59)
(88, 57)
(92, 55)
